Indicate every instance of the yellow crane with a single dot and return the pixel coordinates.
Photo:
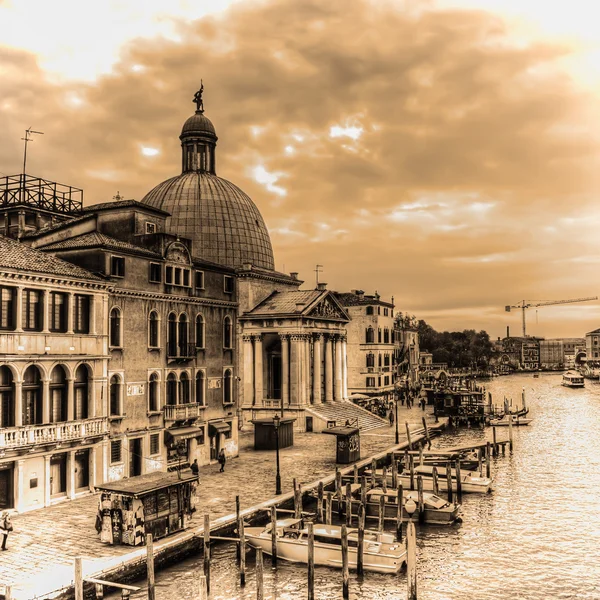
(524, 305)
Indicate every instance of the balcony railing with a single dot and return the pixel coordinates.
(179, 412)
(30, 435)
(181, 352)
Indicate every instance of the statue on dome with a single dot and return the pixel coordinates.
(198, 98)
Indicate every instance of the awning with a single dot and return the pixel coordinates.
(144, 484)
(219, 427)
(182, 433)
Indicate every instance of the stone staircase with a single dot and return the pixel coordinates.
(340, 412)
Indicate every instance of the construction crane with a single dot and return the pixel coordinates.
(523, 305)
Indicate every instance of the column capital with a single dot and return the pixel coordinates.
(247, 337)
(317, 337)
(257, 337)
(284, 336)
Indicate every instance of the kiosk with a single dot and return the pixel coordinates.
(347, 443)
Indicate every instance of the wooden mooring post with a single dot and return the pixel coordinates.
(384, 480)
(411, 561)
(361, 540)
(381, 513)
(426, 433)
(411, 462)
(435, 483)
(421, 460)
(260, 594)
(363, 490)
(488, 465)
(329, 508)
(355, 473)
(449, 480)
(274, 535)
(510, 432)
(495, 444)
(311, 561)
(150, 566)
(410, 447)
(345, 569)
(320, 502)
(400, 500)
(458, 482)
(373, 473)
(207, 551)
(394, 472)
(420, 498)
(480, 462)
(78, 579)
(242, 553)
(348, 504)
(237, 520)
(203, 588)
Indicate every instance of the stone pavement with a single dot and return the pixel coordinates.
(46, 541)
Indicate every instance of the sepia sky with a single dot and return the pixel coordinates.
(446, 153)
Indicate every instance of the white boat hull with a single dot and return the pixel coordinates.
(515, 422)
(467, 484)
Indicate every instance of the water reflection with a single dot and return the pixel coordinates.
(536, 536)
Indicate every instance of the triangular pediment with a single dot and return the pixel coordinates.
(326, 308)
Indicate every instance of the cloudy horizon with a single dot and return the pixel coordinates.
(444, 153)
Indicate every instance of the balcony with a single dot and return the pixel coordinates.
(181, 412)
(180, 352)
(31, 435)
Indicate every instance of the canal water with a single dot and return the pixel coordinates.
(536, 536)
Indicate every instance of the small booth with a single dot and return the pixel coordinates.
(265, 431)
(158, 503)
(347, 443)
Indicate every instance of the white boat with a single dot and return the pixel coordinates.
(470, 481)
(516, 421)
(573, 379)
(381, 552)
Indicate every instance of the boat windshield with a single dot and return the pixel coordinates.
(436, 502)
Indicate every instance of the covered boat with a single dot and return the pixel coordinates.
(381, 552)
(470, 481)
(573, 379)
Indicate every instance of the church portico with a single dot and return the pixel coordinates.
(294, 354)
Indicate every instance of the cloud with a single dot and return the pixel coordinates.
(454, 143)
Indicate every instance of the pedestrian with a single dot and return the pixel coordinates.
(391, 417)
(194, 467)
(222, 460)
(5, 528)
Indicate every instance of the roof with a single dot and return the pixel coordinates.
(138, 486)
(595, 331)
(95, 239)
(18, 256)
(352, 299)
(285, 302)
(123, 204)
(341, 430)
(55, 226)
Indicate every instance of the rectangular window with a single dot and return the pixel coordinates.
(186, 278)
(32, 310)
(370, 381)
(117, 266)
(228, 284)
(7, 319)
(387, 380)
(81, 318)
(177, 277)
(154, 443)
(199, 283)
(150, 227)
(169, 275)
(58, 312)
(155, 275)
(115, 451)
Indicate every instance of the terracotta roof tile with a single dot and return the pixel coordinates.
(285, 302)
(99, 240)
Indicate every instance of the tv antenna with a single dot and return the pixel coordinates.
(26, 139)
(317, 271)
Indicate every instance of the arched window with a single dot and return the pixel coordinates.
(386, 336)
(32, 397)
(82, 394)
(153, 388)
(172, 335)
(370, 360)
(58, 395)
(115, 391)
(199, 331)
(183, 335)
(227, 387)
(171, 389)
(369, 310)
(115, 327)
(379, 335)
(184, 389)
(153, 330)
(370, 335)
(7, 398)
(200, 380)
(227, 341)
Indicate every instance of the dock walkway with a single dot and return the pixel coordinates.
(45, 542)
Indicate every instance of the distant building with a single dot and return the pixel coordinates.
(592, 345)
(551, 354)
(425, 358)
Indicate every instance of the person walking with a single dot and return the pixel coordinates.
(194, 467)
(5, 528)
(391, 417)
(222, 460)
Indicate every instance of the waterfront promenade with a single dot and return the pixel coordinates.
(45, 542)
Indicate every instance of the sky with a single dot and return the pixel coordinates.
(441, 152)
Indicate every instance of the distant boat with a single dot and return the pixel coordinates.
(470, 481)
(573, 379)
(517, 421)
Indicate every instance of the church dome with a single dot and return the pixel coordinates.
(223, 223)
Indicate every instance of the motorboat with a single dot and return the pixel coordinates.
(517, 421)
(470, 481)
(438, 511)
(573, 379)
(381, 552)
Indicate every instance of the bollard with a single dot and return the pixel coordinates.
(449, 480)
(274, 534)
(242, 554)
(458, 482)
(408, 436)
(311, 561)
(78, 579)
(203, 588)
(411, 561)
(348, 504)
(150, 566)
(345, 571)
(384, 480)
(207, 551)
(435, 483)
(399, 514)
(394, 473)
(355, 473)
(488, 466)
(259, 575)
(361, 540)
(411, 461)
(420, 498)
(320, 503)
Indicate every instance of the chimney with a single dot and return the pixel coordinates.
(294, 275)
(359, 293)
(321, 286)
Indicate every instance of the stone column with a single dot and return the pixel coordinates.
(248, 371)
(285, 369)
(71, 314)
(19, 310)
(92, 314)
(47, 480)
(45, 401)
(316, 382)
(295, 374)
(308, 369)
(92, 479)
(301, 369)
(338, 369)
(18, 403)
(71, 474)
(20, 487)
(259, 392)
(344, 368)
(328, 369)
(46, 312)
(71, 398)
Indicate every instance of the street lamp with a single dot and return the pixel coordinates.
(276, 422)
(397, 395)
